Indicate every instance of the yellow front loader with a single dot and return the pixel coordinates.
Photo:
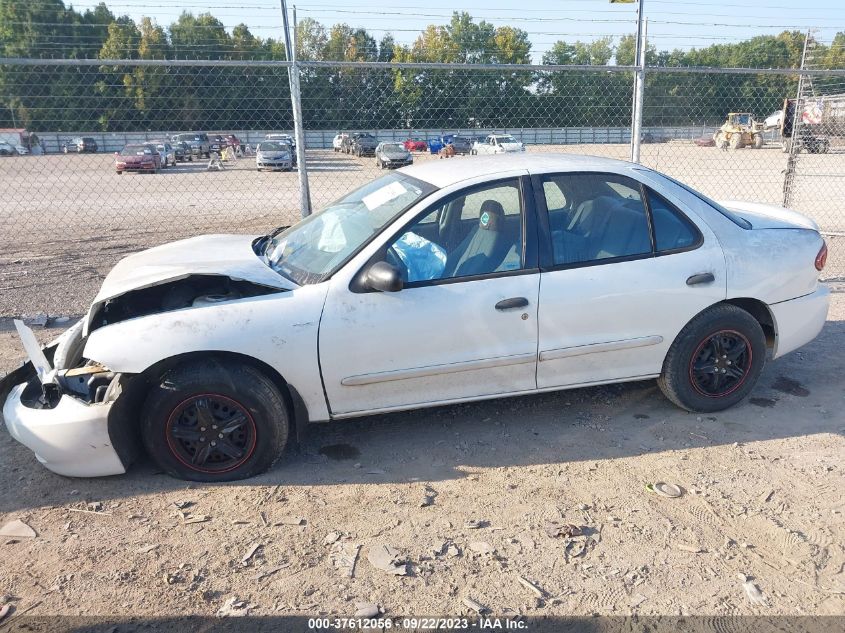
(740, 130)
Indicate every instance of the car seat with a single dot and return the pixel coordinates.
(484, 249)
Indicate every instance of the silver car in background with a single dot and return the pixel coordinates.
(392, 155)
(168, 154)
(274, 155)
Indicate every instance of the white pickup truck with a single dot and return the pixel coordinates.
(497, 144)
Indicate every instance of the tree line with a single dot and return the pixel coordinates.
(115, 98)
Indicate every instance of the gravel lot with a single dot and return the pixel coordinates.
(66, 219)
(764, 500)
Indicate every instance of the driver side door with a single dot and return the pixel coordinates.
(463, 327)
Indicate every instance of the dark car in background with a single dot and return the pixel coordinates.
(362, 144)
(461, 144)
(197, 141)
(393, 154)
(138, 157)
(217, 142)
(80, 144)
(182, 151)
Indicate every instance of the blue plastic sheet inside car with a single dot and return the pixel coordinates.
(423, 259)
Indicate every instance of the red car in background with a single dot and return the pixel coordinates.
(140, 157)
(233, 141)
(416, 145)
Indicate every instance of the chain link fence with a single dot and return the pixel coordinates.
(67, 215)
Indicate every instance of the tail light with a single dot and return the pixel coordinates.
(821, 258)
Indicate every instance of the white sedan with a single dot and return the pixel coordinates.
(438, 283)
(497, 144)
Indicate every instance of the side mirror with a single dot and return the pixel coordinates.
(383, 277)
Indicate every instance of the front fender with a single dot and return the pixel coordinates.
(278, 329)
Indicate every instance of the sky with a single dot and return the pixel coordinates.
(671, 23)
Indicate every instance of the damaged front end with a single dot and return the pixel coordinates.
(65, 415)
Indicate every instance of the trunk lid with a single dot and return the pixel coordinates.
(769, 216)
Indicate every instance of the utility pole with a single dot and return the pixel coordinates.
(639, 86)
(296, 103)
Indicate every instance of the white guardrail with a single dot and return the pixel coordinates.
(322, 139)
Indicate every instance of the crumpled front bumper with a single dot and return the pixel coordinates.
(70, 438)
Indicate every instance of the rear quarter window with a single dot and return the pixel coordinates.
(672, 229)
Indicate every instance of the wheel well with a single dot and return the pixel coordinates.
(124, 425)
(760, 311)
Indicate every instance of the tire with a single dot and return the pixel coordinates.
(722, 327)
(758, 141)
(786, 145)
(173, 413)
(64, 149)
(735, 141)
(119, 173)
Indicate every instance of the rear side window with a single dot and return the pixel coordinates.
(595, 217)
(672, 229)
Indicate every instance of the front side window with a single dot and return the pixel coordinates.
(476, 233)
(313, 249)
(594, 217)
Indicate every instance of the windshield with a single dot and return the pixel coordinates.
(312, 250)
(137, 150)
(506, 139)
(272, 146)
(393, 147)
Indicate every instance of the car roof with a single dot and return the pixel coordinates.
(444, 173)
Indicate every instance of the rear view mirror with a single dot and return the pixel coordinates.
(383, 277)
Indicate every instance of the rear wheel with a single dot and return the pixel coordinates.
(715, 361)
(215, 422)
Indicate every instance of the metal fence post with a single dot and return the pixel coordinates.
(639, 87)
(795, 138)
(296, 102)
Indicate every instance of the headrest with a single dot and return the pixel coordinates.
(491, 216)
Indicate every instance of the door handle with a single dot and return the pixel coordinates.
(700, 278)
(513, 302)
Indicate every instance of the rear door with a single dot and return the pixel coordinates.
(624, 270)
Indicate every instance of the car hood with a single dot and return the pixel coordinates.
(226, 255)
(274, 154)
(135, 159)
(768, 216)
(511, 147)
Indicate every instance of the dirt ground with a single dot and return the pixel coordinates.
(465, 495)
(66, 219)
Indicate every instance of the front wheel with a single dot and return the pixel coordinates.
(715, 361)
(215, 422)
